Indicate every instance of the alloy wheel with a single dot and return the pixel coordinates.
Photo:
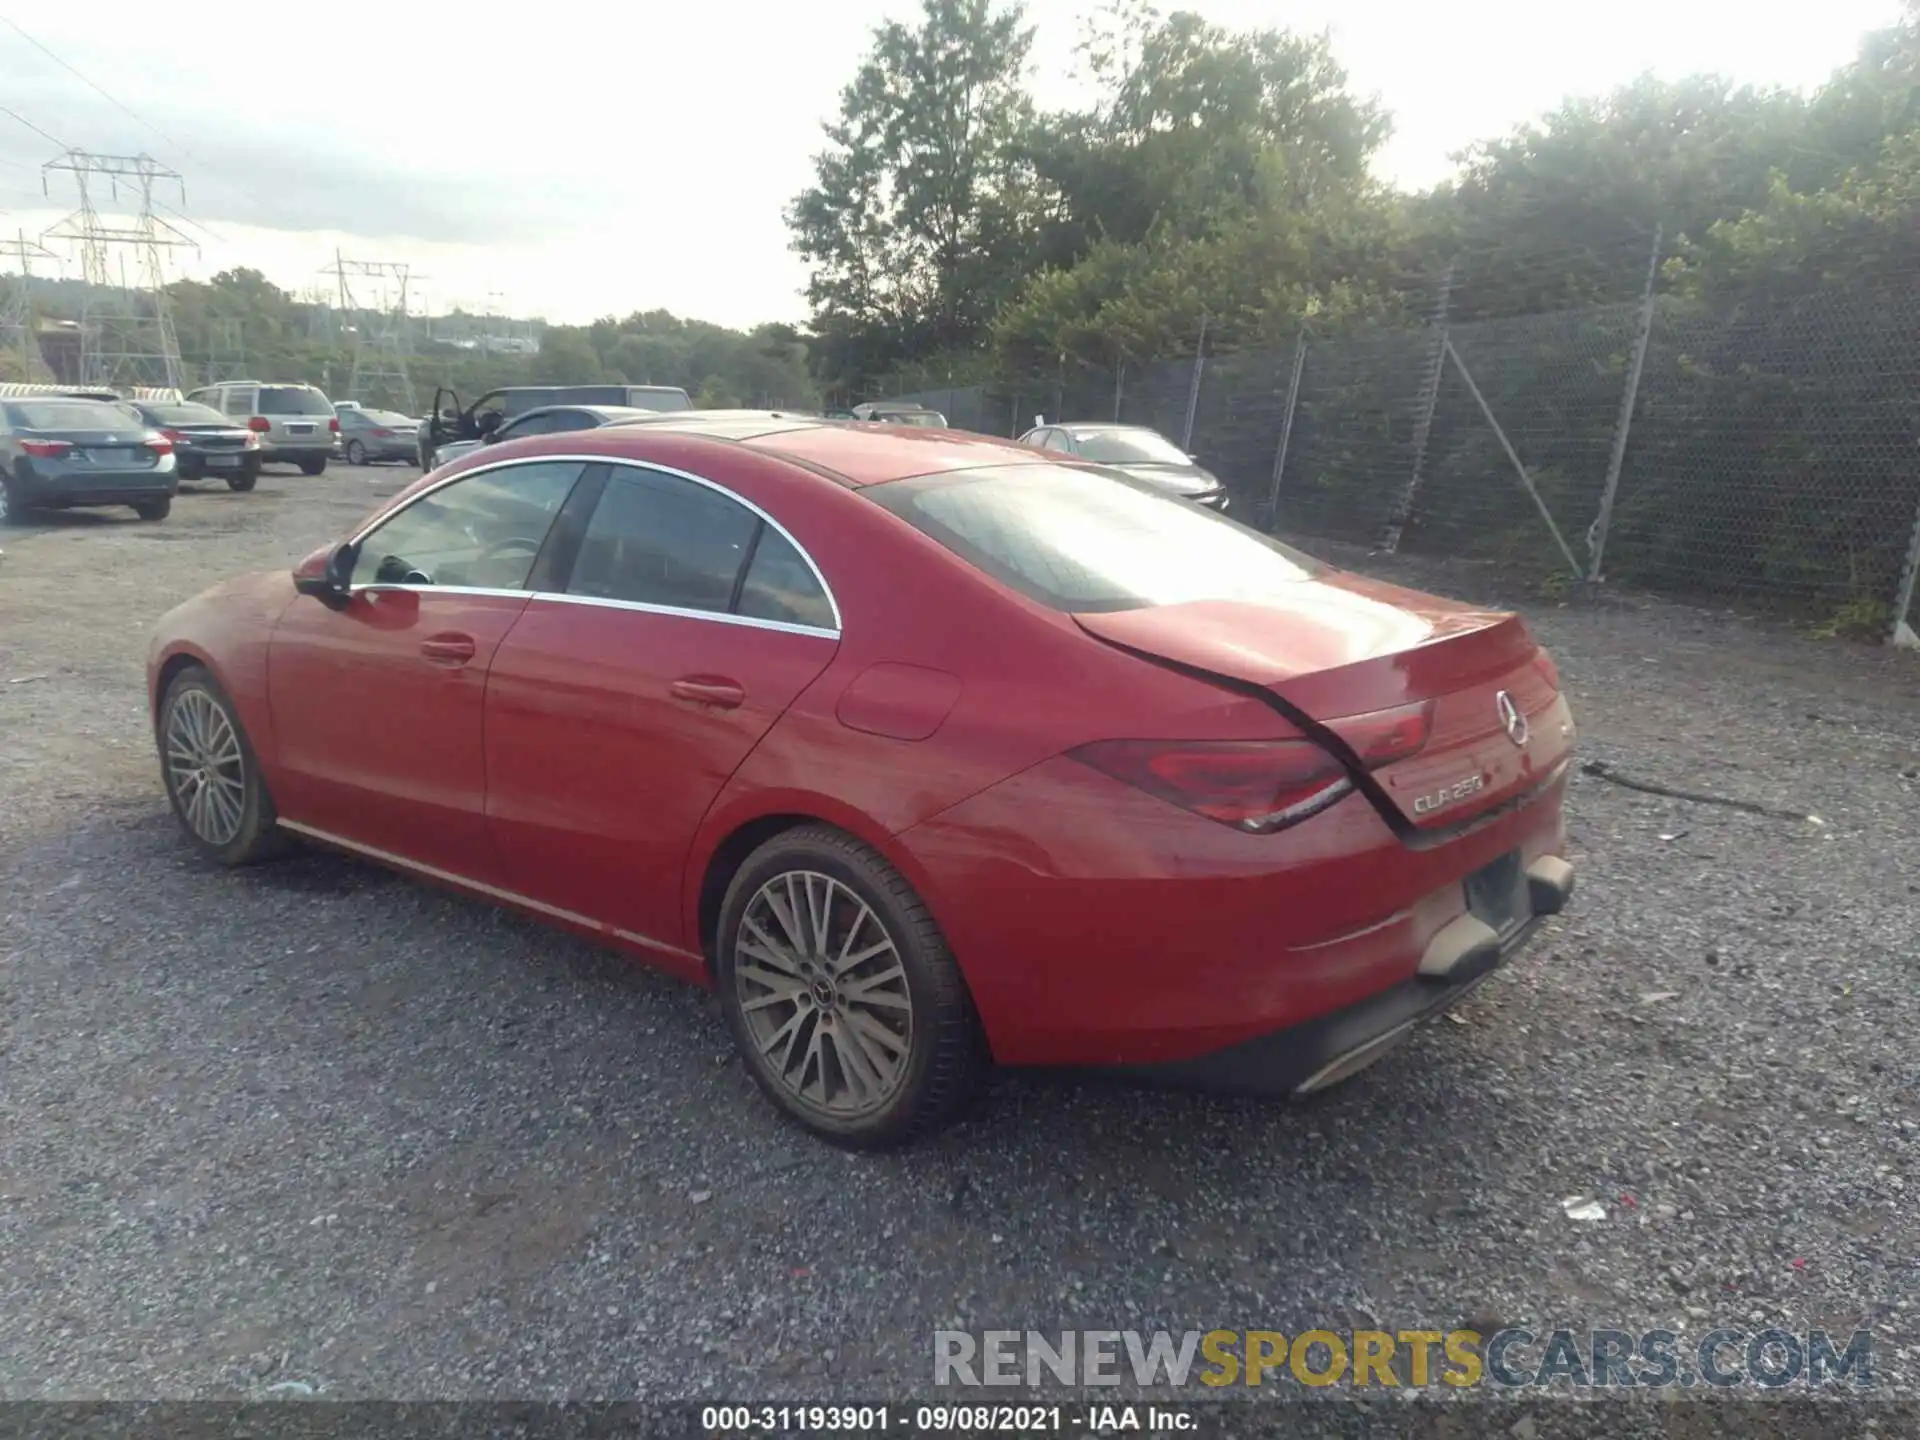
(824, 994)
(206, 768)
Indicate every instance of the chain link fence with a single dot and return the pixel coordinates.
(1764, 449)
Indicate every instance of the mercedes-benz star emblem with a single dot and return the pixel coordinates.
(1511, 720)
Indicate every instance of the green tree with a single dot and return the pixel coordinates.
(913, 225)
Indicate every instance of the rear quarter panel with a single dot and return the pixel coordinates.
(951, 681)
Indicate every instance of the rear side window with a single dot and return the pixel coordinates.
(293, 400)
(780, 585)
(1088, 541)
(660, 540)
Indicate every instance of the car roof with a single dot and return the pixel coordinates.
(853, 452)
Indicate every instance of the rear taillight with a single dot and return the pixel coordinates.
(47, 449)
(1384, 736)
(159, 444)
(175, 436)
(259, 424)
(334, 425)
(383, 434)
(252, 442)
(1254, 785)
(1543, 662)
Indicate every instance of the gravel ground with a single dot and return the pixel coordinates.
(314, 1123)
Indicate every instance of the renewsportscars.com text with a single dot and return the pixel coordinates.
(1513, 1358)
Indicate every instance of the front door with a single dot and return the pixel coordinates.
(617, 710)
(377, 708)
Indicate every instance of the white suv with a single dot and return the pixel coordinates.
(296, 423)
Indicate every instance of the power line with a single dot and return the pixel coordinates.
(16, 115)
(105, 94)
(119, 105)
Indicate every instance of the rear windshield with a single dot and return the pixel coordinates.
(383, 417)
(648, 397)
(293, 400)
(69, 415)
(1127, 447)
(1083, 541)
(186, 415)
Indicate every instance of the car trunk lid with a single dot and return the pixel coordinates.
(101, 449)
(1340, 649)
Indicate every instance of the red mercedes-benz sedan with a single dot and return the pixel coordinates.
(925, 750)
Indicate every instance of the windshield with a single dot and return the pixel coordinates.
(293, 400)
(69, 415)
(1127, 447)
(1082, 541)
(186, 415)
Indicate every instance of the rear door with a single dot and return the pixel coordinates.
(618, 708)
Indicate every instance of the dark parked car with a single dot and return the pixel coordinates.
(1137, 451)
(205, 442)
(57, 453)
(367, 436)
(547, 420)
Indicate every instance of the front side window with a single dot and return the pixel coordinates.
(526, 425)
(483, 531)
(1088, 541)
(659, 540)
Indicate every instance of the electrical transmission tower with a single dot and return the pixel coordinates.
(16, 306)
(226, 351)
(382, 334)
(126, 329)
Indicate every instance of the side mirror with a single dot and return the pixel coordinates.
(327, 575)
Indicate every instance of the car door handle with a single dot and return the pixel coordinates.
(447, 649)
(720, 693)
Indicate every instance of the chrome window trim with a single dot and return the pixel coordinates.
(833, 602)
(783, 627)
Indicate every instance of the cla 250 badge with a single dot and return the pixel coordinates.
(1459, 790)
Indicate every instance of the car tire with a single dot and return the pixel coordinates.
(356, 453)
(314, 466)
(13, 510)
(198, 730)
(878, 1066)
(244, 480)
(154, 509)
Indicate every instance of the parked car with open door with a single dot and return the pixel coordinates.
(449, 423)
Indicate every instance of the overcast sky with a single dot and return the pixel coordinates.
(578, 160)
